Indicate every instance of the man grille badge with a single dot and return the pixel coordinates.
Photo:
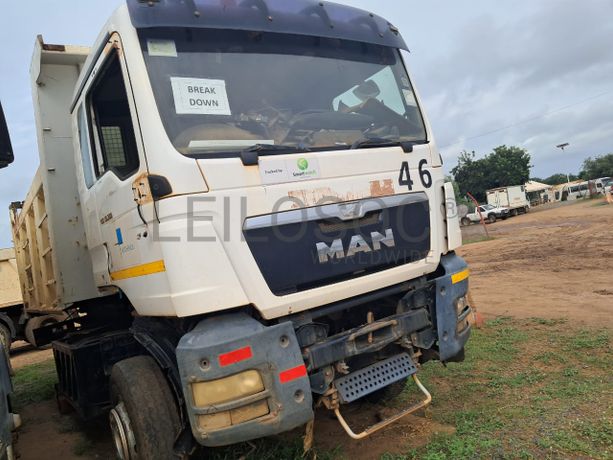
(350, 211)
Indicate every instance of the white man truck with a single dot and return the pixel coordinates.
(242, 210)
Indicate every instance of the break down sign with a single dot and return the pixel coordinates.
(200, 96)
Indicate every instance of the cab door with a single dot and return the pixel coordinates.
(115, 220)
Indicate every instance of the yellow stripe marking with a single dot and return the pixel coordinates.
(139, 270)
(460, 276)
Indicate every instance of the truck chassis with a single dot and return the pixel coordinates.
(384, 337)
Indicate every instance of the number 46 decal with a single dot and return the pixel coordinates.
(405, 175)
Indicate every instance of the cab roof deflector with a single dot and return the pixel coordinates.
(300, 17)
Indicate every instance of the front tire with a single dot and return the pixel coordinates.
(465, 221)
(36, 322)
(491, 218)
(144, 419)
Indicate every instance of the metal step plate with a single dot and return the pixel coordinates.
(374, 377)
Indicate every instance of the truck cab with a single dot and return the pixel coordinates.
(204, 112)
(262, 218)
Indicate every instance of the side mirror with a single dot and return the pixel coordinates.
(6, 150)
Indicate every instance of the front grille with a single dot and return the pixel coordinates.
(337, 225)
(299, 250)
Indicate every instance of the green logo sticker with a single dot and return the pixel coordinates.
(303, 164)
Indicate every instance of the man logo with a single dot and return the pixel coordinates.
(357, 244)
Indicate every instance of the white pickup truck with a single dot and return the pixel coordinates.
(490, 214)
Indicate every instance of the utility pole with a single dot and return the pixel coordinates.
(562, 147)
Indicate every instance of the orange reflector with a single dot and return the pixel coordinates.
(235, 356)
(293, 373)
(460, 276)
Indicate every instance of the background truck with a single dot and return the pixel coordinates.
(242, 213)
(514, 198)
(11, 307)
(17, 322)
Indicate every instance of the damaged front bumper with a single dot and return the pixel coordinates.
(243, 380)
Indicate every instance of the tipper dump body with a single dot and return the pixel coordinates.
(48, 230)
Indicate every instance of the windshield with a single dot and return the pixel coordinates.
(224, 91)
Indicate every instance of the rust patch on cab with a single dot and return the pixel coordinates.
(326, 195)
(321, 196)
(382, 187)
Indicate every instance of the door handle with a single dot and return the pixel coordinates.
(108, 258)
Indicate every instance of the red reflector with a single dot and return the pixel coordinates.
(235, 356)
(292, 374)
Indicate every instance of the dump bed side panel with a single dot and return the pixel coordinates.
(49, 233)
(33, 250)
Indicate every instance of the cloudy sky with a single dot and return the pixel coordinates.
(516, 72)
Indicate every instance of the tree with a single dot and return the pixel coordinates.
(559, 178)
(508, 166)
(503, 167)
(601, 166)
(470, 173)
(459, 197)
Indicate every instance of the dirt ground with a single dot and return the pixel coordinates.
(23, 354)
(553, 263)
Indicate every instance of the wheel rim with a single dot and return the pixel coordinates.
(123, 437)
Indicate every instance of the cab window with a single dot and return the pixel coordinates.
(84, 145)
(112, 122)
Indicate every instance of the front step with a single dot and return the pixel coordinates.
(374, 377)
(383, 423)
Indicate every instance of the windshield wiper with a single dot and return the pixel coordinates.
(250, 155)
(372, 142)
